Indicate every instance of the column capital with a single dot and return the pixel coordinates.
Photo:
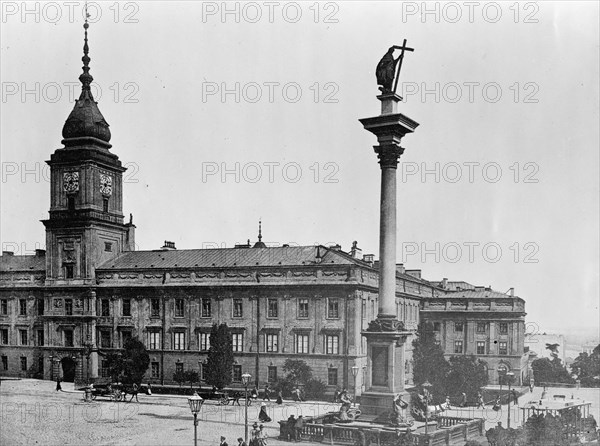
(388, 154)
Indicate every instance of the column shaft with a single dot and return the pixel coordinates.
(387, 244)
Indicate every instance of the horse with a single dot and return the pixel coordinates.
(133, 391)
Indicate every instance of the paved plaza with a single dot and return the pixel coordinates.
(32, 412)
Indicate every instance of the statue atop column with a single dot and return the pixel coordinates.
(386, 68)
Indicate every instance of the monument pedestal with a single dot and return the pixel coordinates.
(385, 367)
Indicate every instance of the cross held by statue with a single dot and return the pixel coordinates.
(403, 48)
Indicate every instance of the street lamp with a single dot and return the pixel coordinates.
(426, 386)
(245, 380)
(501, 375)
(354, 373)
(195, 406)
(509, 379)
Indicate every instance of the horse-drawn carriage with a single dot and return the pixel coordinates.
(112, 390)
(233, 398)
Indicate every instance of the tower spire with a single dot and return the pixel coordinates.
(86, 78)
(86, 121)
(259, 243)
(259, 231)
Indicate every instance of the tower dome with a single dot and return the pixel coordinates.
(86, 121)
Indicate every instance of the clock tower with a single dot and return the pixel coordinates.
(85, 227)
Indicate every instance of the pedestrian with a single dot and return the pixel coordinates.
(58, 386)
(447, 404)
(241, 442)
(223, 442)
(515, 396)
(263, 415)
(530, 385)
(262, 436)
(296, 394)
(479, 400)
(267, 396)
(544, 393)
(298, 428)
(463, 400)
(149, 389)
(279, 397)
(254, 439)
(291, 428)
(254, 393)
(496, 405)
(336, 395)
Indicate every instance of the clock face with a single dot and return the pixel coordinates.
(105, 184)
(71, 182)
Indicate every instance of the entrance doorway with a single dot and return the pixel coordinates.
(68, 369)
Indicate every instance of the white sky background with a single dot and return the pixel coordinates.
(547, 115)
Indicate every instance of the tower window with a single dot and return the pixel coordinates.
(71, 202)
(105, 204)
(69, 271)
(68, 307)
(107, 246)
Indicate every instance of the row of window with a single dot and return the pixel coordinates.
(22, 307)
(481, 327)
(271, 342)
(23, 337)
(332, 372)
(237, 309)
(23, 363)
(480, 347)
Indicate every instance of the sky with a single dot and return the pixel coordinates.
(227, 114)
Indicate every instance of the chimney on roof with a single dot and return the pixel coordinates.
(445, 283)
(355, 251)
(8, 253)
(416, 273)
(512, 292)
(168, 246)
(336, 247)
(369, 258)
(400, 268)
(40, 252)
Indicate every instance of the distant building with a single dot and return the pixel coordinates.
(476, 320)
(537, 343)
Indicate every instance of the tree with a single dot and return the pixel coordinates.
(298, 371)
(179, 377)
(467, 374)
(550, 371)
(429, 363)
(191, 376)
(129, 366)
(219, 363)
(587, 368)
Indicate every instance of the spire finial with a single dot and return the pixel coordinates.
(259, 230)
(86, 78)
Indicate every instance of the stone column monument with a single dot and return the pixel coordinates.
(386, 334)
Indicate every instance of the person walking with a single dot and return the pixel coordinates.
(336, 395)
(279, 397)
(479, 400)
(267, 395)
(263, 415)
(262, 436)
(298, 428)
(463, 400)
(254, 435)
(223, 442)
(291, 428)
(58, 386)
(241, 442)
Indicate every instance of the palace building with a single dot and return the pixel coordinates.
(64, 308)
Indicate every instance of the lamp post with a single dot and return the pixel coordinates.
(195, 402)
(509, 378)
(354, 373)
(245, 380)
(426, 386)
